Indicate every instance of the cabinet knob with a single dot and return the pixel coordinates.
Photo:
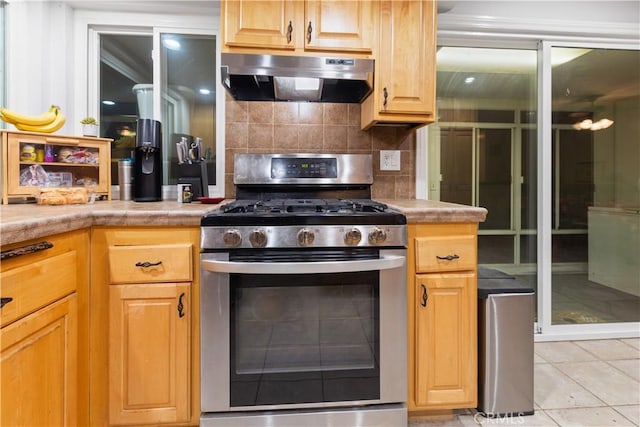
(309, 30)
(289, 32)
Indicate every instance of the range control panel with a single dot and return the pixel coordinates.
(300, 167)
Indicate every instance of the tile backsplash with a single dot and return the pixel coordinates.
(303, 127)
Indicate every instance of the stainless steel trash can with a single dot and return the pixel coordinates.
(505, 345)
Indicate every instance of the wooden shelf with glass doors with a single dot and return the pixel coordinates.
(33, 160)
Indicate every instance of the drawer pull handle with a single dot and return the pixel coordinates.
(4, 301)
(25, 250)
(425, 296)
(147, 264)
(180, 306)
(448, 257)
(385, 94)
(289, 32)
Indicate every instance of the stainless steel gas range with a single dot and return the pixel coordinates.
(303, 298)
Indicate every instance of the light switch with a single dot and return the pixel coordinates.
(390, 160)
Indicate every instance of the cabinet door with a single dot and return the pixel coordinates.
(406, 59)
(446, 341)
(38, 367)
(149, 351)
(268, 24)
(340, 25)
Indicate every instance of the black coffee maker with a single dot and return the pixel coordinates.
(147, 182)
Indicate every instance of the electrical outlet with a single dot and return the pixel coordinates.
(390, 160)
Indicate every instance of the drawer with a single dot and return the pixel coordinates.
(150, 263)
(445, 253)
(38, 284)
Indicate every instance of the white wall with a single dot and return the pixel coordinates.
(39, 54)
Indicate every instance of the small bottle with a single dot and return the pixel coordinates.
(186, 193)
(48, 153)
(39, 155)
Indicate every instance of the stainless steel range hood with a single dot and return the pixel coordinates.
(250, 77)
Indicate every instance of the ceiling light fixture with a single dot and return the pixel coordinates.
(204, 91)
(588, 124)
(171, 44)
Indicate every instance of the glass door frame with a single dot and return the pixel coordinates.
(217, 189)
(546, 331)
(87, 56)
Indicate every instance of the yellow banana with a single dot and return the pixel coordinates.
(56, 124)
(15, 118)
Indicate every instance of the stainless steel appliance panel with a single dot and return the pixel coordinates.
(215, 335)
(506, 357)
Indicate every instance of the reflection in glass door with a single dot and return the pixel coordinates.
(595, 180)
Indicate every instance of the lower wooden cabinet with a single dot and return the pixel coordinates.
(442, 316)
(445, 371)
(149, 353)
(44, 286)
(144, 326)
(39, 367)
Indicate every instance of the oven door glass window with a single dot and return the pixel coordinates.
(299, 339)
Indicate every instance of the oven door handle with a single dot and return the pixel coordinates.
(386, 262)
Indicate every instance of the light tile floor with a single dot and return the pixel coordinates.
(576, 383)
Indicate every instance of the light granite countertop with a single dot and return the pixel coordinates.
(22, 222)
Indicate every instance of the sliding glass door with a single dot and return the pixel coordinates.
(562, 188)
(595, 186)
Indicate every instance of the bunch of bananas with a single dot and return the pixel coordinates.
(47, 122)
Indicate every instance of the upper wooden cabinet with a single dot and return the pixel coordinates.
(404, 85)
(296, 26)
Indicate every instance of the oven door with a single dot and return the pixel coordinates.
(316, 330)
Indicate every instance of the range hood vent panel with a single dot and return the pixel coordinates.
(250, 77)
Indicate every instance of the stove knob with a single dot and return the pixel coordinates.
(377, 236)
(306, 237)
(258, 238)
(232, 238)
(352, 237)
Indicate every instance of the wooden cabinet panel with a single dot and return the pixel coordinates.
(445, 331)
(150, 263)
(38, 367)
(31, 288)
(263, 24)
(405, 66)
(149, 372)
(340, 25)
(445, 253)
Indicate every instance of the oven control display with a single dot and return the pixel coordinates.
(300, 167)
